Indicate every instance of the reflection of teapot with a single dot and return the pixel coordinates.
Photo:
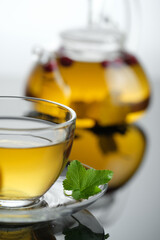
(108, 85)
(119, 149)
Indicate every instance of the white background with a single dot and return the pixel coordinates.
(26, 23)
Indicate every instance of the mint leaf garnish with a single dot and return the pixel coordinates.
(84, 182)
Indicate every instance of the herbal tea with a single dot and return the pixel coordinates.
(29, 164)
(36, 136)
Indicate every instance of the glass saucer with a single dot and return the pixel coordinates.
(54, 204)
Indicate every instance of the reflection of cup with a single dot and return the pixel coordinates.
(80, 226)
(34, 232)
(34, 147)
(119, 149)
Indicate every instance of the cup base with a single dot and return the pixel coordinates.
(22, 204)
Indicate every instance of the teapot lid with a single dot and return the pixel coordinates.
(92, 41)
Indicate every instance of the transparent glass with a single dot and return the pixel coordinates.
(35, 142)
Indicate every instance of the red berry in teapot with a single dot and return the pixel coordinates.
(66, 62)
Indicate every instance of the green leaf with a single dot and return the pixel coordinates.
(85, 182)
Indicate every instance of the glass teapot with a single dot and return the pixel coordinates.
(93, 73)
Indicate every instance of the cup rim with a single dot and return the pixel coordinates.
(57, 126)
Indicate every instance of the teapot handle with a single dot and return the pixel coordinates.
(106, 13)
(42, 55)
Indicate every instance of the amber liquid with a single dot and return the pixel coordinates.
(29, 165)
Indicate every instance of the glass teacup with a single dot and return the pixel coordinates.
(35, 141)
